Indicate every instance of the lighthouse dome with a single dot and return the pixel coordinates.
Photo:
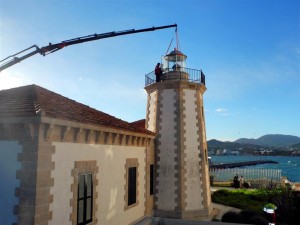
(176, 56)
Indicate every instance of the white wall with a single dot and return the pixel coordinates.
(8, 167)
(111, 162)
(151, 125)
(194, 190)
(166, 180)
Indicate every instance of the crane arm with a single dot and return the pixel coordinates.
(7, 63)
(55, 47)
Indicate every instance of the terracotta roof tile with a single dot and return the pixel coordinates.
(139, 123)
(30, 100)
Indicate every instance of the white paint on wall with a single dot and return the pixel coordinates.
(193, 183)
(166, 180)
(9, 165)
(152, 111)
(111, 162)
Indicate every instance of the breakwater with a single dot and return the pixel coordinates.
(240, 164)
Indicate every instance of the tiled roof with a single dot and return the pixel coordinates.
(30, 100)
(139, 123)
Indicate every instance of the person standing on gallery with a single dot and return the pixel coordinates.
(158, 72)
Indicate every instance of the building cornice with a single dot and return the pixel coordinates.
(58, 130)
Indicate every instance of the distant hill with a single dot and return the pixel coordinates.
(213, 143)
(274, 140)
(296, 146)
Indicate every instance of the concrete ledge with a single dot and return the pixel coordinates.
(168, 221)
(188, 214)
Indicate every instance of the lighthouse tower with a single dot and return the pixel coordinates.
(175, 113)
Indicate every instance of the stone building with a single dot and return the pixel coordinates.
(63, 162)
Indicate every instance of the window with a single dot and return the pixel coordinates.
(151, 178)
(85, 199)
(84, 189)
(131, 185)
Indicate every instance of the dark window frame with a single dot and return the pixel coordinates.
(151, 179)
(132, 186)
(87, 195)
(131, 162)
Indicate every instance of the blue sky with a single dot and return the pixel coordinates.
(249, 51)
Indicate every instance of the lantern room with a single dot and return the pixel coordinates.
(175, 60)
(173, 68)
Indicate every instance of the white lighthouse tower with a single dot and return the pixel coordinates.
(175, 113)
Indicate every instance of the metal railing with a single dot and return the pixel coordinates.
(257, 177)
(191, 75)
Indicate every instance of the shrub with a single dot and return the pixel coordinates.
(241, 199)
(245, 216)
(253, 217)
(258, 220)
(286, 200)
(288, 205)
(221, 192)
(232, 217)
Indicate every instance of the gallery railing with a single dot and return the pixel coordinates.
(191, 75)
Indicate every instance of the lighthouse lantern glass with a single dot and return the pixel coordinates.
(175, 60)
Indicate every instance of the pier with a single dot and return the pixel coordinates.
(240, 164)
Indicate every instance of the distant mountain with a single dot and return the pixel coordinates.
(249, 141)
(213, 143)
(273, 140)
(296, 146)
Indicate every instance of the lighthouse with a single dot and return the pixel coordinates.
(175, 112)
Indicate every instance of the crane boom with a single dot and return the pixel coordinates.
(13, 59)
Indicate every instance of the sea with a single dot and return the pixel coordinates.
(289, 165)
